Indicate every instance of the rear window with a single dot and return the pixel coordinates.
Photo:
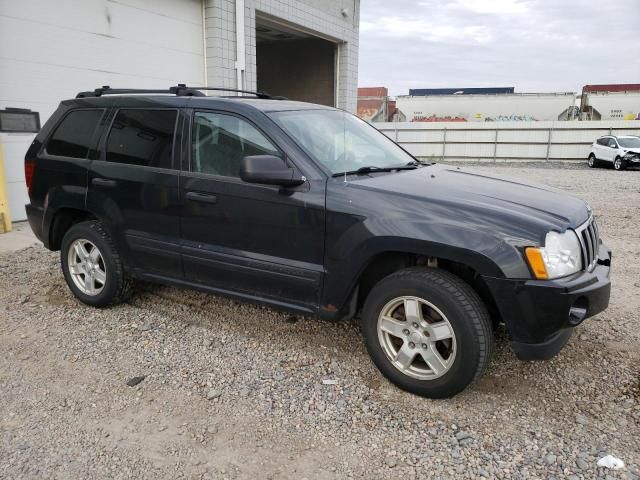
(142, 137)
(72, 138)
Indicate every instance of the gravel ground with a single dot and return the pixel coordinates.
(236, 391)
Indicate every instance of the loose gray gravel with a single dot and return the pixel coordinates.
(179, 384)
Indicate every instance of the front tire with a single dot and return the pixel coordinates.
(92, 266)
(618, 164)
(427, 331)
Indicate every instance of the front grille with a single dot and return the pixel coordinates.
(589, 242)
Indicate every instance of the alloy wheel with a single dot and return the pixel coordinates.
(417, 337)
(86, 267)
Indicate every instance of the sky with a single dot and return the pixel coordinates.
(532, 45)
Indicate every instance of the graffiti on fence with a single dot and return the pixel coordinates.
(435, 118)
(510, 118)
(476, 117)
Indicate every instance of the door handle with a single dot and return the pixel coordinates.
(202, 197)
(103, 182)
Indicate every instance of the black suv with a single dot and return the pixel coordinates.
(311, 210)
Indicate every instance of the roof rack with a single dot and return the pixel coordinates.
(180, 90)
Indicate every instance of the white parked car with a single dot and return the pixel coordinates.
(621, 151)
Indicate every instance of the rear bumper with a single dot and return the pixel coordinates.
(541, 314)
(35, 216)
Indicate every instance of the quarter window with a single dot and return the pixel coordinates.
(73, 136)
(221, 141)
(142, 137)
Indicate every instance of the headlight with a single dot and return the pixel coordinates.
(560, 256)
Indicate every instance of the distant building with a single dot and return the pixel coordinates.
(610, 102)
(374, 105)
(440, 105)
(461, 91)
(302, 49)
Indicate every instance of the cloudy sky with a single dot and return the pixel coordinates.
(533, 45)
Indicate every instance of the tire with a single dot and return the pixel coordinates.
(447, 298)
(618, 164)
(592, 161)
(108, 283)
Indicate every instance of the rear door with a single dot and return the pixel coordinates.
(134, 186)
(600, 148)
(261, 241)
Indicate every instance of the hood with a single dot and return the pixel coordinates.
(631, 150)
(479, 192)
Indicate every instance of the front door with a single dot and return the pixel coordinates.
(612, 149)
(258, 241)
(134, 186)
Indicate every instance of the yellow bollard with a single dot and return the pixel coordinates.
(5, 218)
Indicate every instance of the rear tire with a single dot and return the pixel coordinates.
(453, 344)
(92, 266)
(592, 161)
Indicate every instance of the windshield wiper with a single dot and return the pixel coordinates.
(373, 169)
(418, 163)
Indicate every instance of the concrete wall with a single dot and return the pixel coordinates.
(50, 50)
(322, 18)
(503, 141)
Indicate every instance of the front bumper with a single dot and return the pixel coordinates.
(631, 160)
(541, 314)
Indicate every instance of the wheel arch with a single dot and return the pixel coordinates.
(62, 220)
(468, 265)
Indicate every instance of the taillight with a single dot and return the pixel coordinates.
(29, 171)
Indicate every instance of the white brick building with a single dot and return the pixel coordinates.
(52, 49)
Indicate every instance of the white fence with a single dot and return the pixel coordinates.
(504, 141)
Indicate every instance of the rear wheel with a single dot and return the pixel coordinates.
(592, 161)
(92, 267)
(618, 164)
(427, 331)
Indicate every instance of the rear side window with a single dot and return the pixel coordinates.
(73, 136)
(142, 137)
(603, 141)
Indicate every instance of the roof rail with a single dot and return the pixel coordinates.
(179, 90)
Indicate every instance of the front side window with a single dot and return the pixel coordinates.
(612, 143)
(73, 136)
(630, 142)
(142, 137)
(220, 141)
(340, 141)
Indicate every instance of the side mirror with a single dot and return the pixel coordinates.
(268, 170)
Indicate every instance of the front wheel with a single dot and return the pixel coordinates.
(618, 164)
(427, 331)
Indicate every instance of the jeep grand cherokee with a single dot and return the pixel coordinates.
(306, 208)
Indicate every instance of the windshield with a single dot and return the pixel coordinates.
(629, 142)
(340, 141)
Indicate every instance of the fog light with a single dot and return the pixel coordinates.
(578, 311)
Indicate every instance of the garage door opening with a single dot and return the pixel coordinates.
(295, 64)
